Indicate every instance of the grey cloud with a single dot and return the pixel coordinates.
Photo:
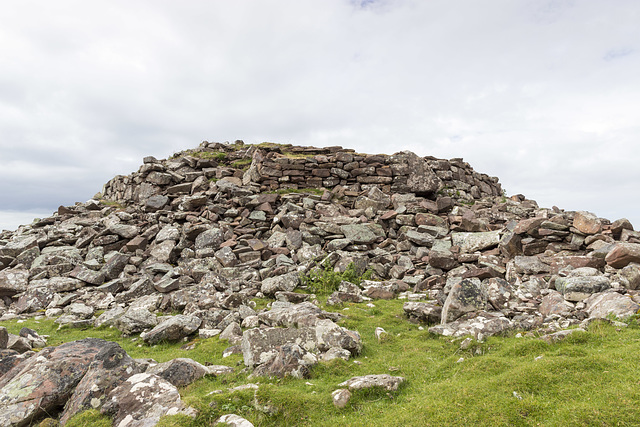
(542, 94)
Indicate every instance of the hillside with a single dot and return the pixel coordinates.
(271, 267)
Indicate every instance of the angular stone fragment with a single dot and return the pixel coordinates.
(135, 321)
(465, 296)
(110, 367)
(173, 329)
(472, 242)
(587, 223)
(620, 256)
(359, 233)
(233, 420)
(286, 282)
(286, 360)
(179, 372)
(258, 343)
(13, 281)
(483, 324)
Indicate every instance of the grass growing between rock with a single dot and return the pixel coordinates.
(590, 378)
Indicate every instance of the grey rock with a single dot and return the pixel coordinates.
(385, 381)
(358, 233)
(286, 360)
(109, 317)
(286, 282)
(13, 281)
(180, 372)
(580, 287)
(611, 303)
(142, 400)
(472, 242)
(465, 296)
(233, 420)
(136, 321)
(340, 397)
(483, 324)
(172, 329)
(427, 312)
(257, 344)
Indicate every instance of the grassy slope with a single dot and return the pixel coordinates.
(591, 378)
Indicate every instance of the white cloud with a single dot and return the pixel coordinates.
(542, 94)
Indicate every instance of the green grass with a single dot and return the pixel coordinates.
(242, 164)
(589, 379)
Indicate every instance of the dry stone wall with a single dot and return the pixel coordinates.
(273, 167)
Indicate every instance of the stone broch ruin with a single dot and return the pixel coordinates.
(206, 231)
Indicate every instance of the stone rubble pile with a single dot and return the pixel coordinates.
(208, 230)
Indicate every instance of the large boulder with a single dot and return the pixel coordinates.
(611, 303)
(422, 180)
(40, 385)
(142, 400)
(111, 366)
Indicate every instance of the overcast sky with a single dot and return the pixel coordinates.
(543, 94)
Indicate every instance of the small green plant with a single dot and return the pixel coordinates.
(214, 155)
(325, 280)
(241, 164)
(111, 204)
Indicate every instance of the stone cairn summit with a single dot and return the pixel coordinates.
(209, 229)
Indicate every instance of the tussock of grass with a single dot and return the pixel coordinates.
(590, 378)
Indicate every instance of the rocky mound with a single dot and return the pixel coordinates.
(208, 230)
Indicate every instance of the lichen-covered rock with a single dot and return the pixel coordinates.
(179, 372)
(465, 296)
(611, 303)
(482, 324)
(13, 281)
(42, 383)
(385, 381)
(286, 360)
(134, 321)
(142, 399)
(173, 329)
(286, 282)
(257, 344)
(472, 242)
(578, 288)
(427, 312)
(111, 366)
